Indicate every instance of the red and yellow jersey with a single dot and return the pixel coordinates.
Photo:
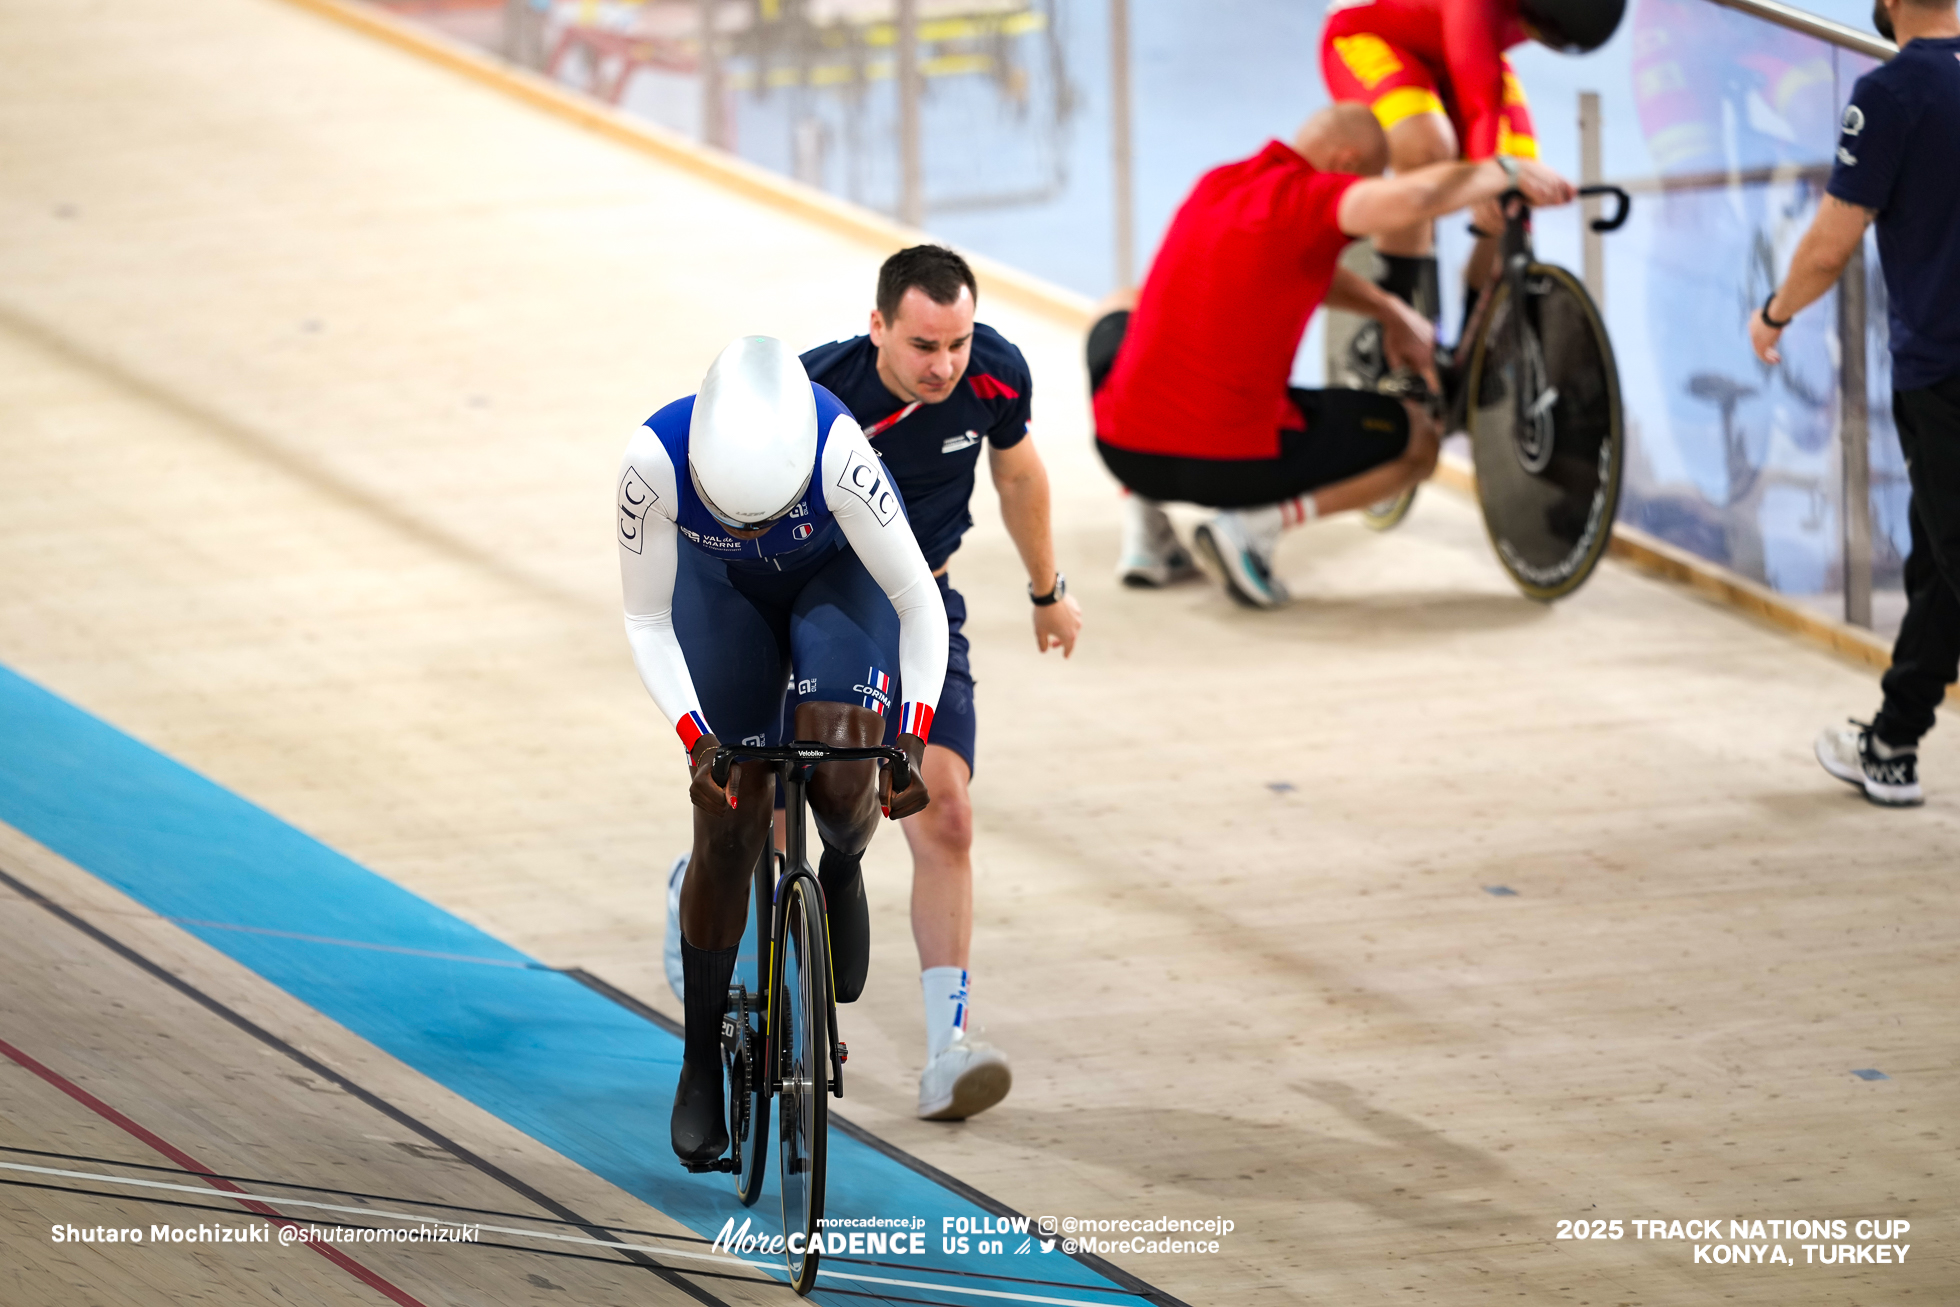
(1690, 57)
(1406, 57)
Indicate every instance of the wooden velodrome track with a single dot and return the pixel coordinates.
(315, 364)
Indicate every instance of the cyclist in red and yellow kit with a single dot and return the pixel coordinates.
(1435, 74)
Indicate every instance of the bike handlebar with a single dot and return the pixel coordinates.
(1614, 223)
(1620, 211)
(812, 751)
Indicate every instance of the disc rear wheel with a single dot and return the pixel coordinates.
(1546, 431)
(800, 1028)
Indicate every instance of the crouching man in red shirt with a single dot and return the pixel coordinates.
(1192, 400)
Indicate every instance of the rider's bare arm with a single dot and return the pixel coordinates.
(1375, 205)
(1834, 236)
(1021, 481)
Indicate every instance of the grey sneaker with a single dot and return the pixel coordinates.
(1850, 756)
(1229, 548)
(1151, 557)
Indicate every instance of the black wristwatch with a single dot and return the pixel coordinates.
(1770, 322)
(1053, 596)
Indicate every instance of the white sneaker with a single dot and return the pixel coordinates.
(1850, 756)
(965, 1079)
(1238, 545)
(1152, 557)
(672, 952)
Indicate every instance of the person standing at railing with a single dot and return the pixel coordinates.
(1898, 155)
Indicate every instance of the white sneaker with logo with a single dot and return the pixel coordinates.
(1852, 756)
(963, 1079)
(1238, 544)
(671, 954)
(1151, 556)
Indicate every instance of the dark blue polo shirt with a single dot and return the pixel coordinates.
(932, 452)
(1899, 155)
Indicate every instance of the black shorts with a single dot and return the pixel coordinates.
(1347, 432)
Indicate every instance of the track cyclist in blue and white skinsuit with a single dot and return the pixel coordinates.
(757, 531)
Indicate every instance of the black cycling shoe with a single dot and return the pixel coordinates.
(849, 919)
(700, 1132)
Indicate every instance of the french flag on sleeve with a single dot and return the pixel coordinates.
(878, 690)
(690, 728)
(915, 719)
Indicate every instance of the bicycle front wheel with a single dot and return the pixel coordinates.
(1546, 431)
(800, 1026)
(748, 1130)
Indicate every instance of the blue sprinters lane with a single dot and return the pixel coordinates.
(565, 1065)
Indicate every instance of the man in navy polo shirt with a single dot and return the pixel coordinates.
(931, 387)
(1897, 160)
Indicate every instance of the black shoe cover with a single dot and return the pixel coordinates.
(850, 923)
(700, 1132)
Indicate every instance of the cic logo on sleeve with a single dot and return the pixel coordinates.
(635, 498)
(864, 478)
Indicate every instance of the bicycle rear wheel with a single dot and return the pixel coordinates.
(748, 1128)
(800, 1026)
(1546, 431)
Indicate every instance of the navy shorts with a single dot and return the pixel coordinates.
(743, 626)
(953, 722)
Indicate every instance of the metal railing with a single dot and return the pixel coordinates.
(1824, 29)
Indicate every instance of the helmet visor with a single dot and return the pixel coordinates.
(736, 523)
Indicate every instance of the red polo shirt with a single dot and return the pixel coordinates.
(1204, 366)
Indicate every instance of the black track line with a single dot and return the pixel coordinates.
(667, 1273)
(344, 1225)
(348, 1193)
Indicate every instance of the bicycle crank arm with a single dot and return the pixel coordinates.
(719, 1164)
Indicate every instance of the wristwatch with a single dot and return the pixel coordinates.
(1053, 596)
(1510, 167)
(1770, 322)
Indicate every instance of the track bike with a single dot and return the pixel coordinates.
(779, 1039)
(1535, 384)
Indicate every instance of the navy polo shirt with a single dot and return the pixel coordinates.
(931, 453)
(1899, 155)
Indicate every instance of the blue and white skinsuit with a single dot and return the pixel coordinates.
(836, 589)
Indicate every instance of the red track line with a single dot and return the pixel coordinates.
(189, 1163)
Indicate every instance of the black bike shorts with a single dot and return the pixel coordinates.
(1347, 432)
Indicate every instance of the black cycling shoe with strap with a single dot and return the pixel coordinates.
(848, 916)
(700, 1127)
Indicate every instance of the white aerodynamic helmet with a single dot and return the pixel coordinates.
(752, 442)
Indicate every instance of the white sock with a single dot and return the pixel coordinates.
(1297, 512)
(946, 1006)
